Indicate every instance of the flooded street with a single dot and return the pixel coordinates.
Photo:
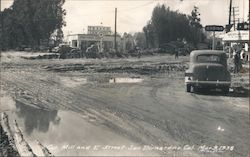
(127, 106)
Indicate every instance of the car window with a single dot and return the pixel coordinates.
(208, 58)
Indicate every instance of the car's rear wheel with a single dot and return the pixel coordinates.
(225, 90)
(188, 88)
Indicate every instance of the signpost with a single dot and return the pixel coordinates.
(214, 28)
(101, 42)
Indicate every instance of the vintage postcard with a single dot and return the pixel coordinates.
(124, 78)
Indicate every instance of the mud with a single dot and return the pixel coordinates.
(72, 102)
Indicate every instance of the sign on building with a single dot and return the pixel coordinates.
(236, 36)
(214, 28)
(243, 26)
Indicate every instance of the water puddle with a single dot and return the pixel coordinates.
(125, 80)
(76, 81)
(72, 81)
(66, 133)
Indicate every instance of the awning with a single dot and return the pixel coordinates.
(236, 36)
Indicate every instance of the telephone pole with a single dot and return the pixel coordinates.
(230, 12)
(234, 17)
(115, 29)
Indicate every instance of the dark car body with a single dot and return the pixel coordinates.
(208, 69)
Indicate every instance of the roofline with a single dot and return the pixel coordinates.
(74, 34)
(111, 35)
(100, 26)
(208, 51)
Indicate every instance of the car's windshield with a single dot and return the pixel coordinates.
(208, 58)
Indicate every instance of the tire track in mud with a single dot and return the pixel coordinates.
(214, 111)
(124, 121)
(105, 106)
(177, 132)
(188, 134)
(123, 116)
(93, 100)
(42, 95)
(134, 118)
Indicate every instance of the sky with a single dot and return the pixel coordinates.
(133, 15)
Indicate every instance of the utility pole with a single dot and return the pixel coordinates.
(1, 31)
(115, 29)
(234, 18)
(230, 12)
(213, 46)
(229, 25)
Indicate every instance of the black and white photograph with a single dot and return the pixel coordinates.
(147, 78)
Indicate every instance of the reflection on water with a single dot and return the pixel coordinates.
(125, 80)
(35, 118)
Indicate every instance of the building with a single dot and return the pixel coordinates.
(239, 39)
(101, 36)
(99, 30)
(83, 41)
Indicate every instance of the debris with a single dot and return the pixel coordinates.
(6, 149)
(22, 146)
(6, 128)
(45, 150)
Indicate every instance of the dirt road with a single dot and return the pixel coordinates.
(121, 107)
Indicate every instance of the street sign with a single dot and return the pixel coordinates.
(243, 26)
(214, 28)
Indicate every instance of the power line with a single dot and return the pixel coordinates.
(123, 10)
(137, 7)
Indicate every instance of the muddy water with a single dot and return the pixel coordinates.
(75, 81)
(125, 80)
(72, 81)
(66, 133)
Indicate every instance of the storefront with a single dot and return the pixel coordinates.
(83, 41)
(236, 41)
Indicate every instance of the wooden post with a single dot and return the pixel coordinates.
(213, 47)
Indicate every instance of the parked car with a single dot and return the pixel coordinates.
(60, 47)
(208, 69)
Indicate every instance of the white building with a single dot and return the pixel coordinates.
(83, 41)
(240, 38)
(99, 30)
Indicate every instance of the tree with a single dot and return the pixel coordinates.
(28, 22)
(151, 36)
(195, 18)
(166, 26)
(197, 34)
(140, 40)
(57, 37)
(129, 41)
